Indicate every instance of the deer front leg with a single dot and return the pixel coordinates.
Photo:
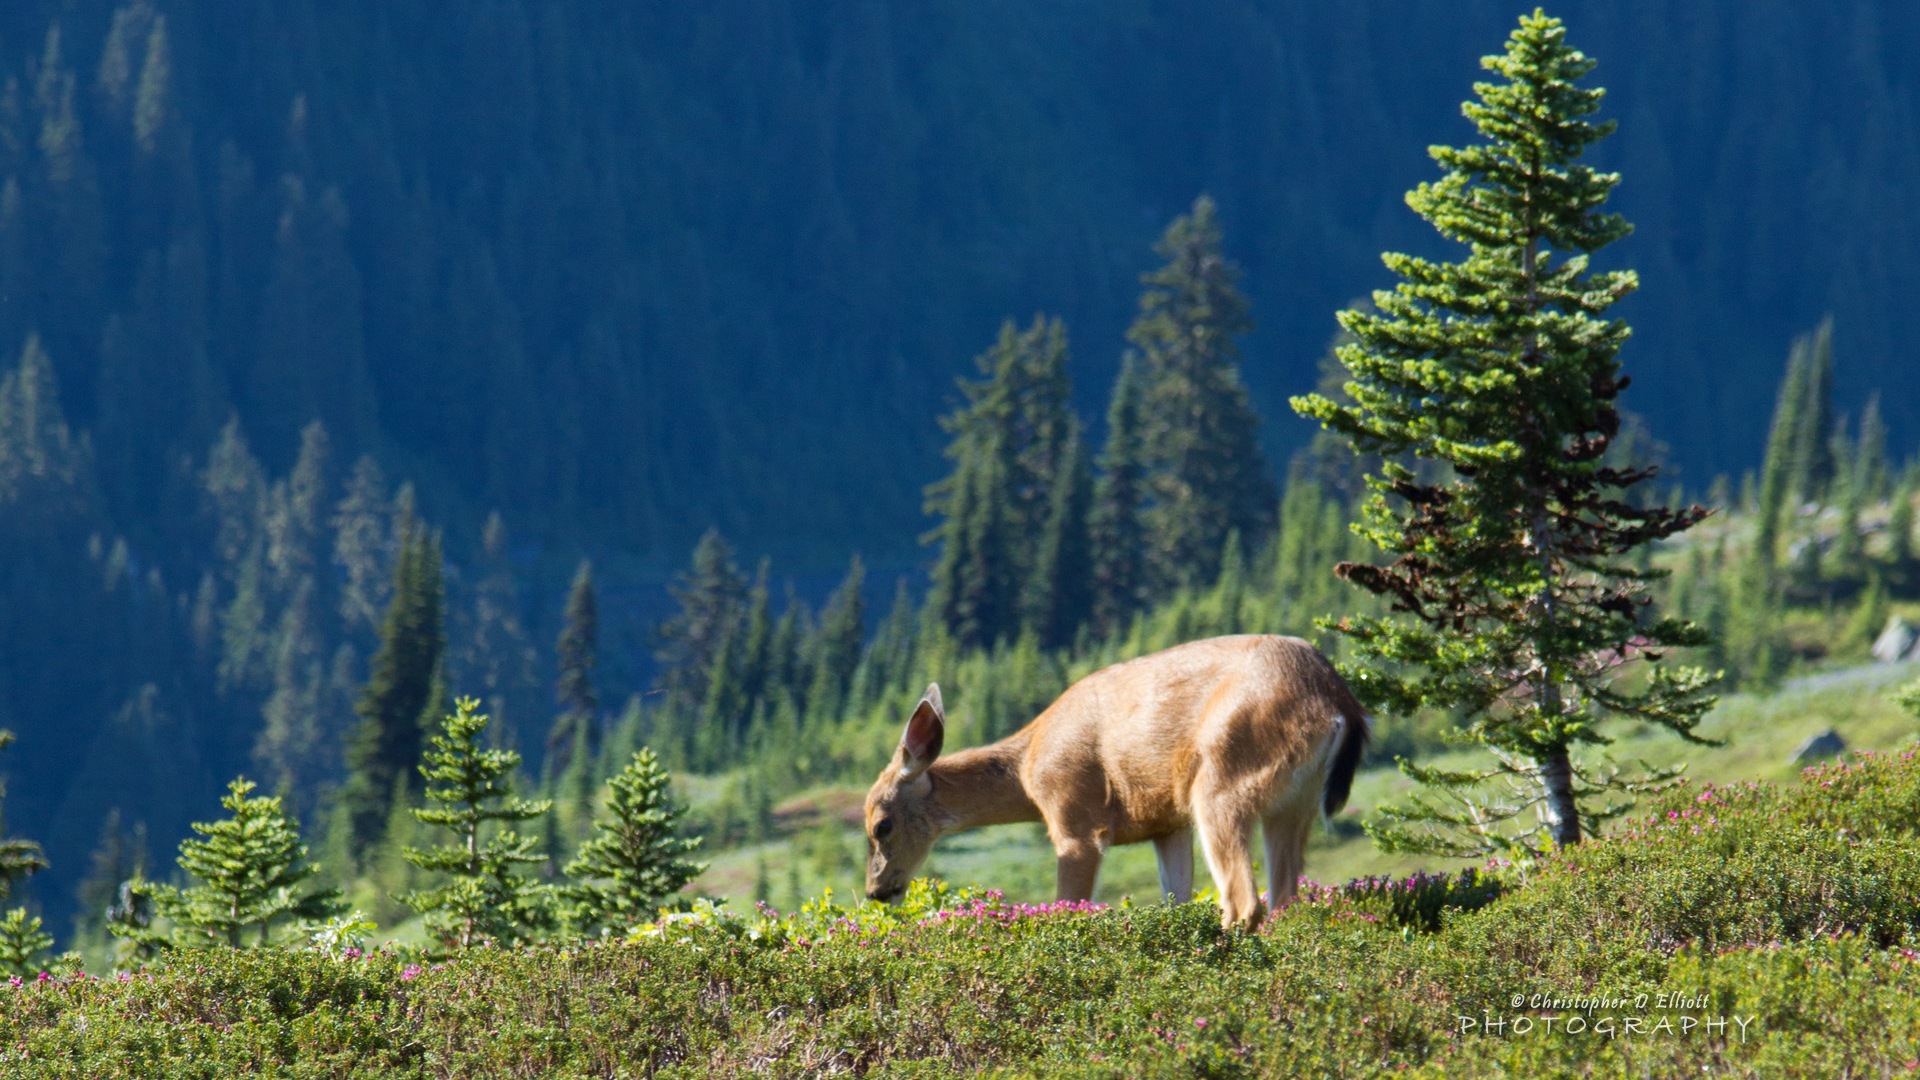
(1076, 867)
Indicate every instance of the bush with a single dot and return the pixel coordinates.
(1793, 910)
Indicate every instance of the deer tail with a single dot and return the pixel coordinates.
(1351, 733)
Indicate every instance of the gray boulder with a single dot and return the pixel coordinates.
(1898, 641)
(1820, 747)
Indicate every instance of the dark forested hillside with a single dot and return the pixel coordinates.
(288, 287)
(633, 269)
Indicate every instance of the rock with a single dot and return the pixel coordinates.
(1820, 747)
(1898, 641)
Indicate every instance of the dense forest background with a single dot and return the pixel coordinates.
(284, 286)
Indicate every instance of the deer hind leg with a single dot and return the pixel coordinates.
(1225, 821)
(1174, 852)
(1286, 835)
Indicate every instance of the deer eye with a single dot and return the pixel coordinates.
(882, 827)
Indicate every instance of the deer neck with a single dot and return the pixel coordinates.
(981, 786)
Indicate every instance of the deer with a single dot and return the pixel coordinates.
(1212, 737)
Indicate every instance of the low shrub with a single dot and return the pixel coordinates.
(1741, 930)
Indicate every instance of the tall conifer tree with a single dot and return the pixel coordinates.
(1519, 605)
(578, 652)
(407, 685)
(1058, 598)
(1782, 463)
(837, 643)
(1811, 461)
(1009, 447)
(712, 597)
(1117, 534)
(1199, 436)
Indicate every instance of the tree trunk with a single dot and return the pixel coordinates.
(1563, 815)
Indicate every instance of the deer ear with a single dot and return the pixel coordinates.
(926, 730)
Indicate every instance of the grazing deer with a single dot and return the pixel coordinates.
(1214, 735)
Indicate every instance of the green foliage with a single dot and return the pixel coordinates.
(636, 858)
(340, 937)
(18, 858)
(1908, 698)
(1791, 909)
(22, 943)
(1012, 451)
(578, 652)
(249, 868)
(712, 597)
(1204, 474)
(1118, 537)
(406, 688)
(1421, 902)
(485, 898)
(836, 645)
(1500, 374)
(1811, 463)
(1780, 465)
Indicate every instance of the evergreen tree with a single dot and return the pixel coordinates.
(485, 898)
(361, 549)
(1312, 537)
(1782, 462)
(572, 794)
(120, 855)
(1009, 449)
(248, 867)
(725, 711)
(756, 649)
(22, 943)
(1058, 598)
(1900, 520)
(393, 876)
(975, 578)
(1199, 436)
(295, 510)
(1868, 468)
(889, 660)
(1811, 461)
(18, 858)
(635, 860)
(1117, 534)
(1521, 607)
(497, 655)
(1849, 550)
(712, 598)
(292, 745)
(45, 466)
(407, 683)
(577, 651)
(836, 644)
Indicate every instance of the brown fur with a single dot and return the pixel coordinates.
(1214, 735)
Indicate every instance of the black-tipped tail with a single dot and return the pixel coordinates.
(1354, 733)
